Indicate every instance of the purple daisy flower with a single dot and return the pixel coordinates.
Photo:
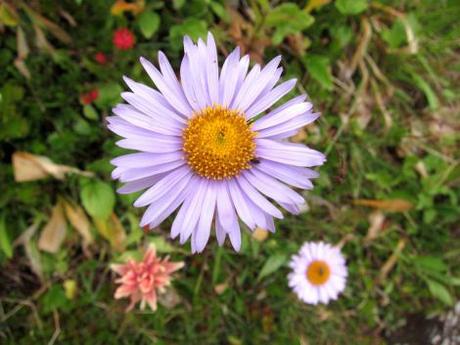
(209, 145)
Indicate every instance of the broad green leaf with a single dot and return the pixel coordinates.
(272, 264)
(54, 298)
(351, 6)
(109, 95)
(192, 27)
(396, 36)
(148, 23)
(439, 291)
(98, 199)
(319, 68)
(90, 112)
(430, 263)
(5, 243)
(161, 245)
(288, 19)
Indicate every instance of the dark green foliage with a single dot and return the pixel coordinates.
(385, 76)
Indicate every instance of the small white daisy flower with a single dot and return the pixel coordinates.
(318, 273)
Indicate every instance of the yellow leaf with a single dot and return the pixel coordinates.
(29, 167)
(121, 6)
(392, 205)
(112, 230)
(8, 15)
(260, 234)
(70, 288)
(54, 232)
(314, 4)
(77, 217)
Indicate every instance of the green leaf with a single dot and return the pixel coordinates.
(90, 112)
(439, 291)
(54, 299)
(288, 19)
(272, 264)
(5, 243)
(109, 95)
(430, 263)
(148, 23)
(319, 68)
(161, 245)
(192, 27)
(98, 199)
(430, 95)
(351, 6)
(396, 36)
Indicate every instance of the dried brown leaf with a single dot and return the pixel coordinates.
(169, 299)
(220, 288)
(47, 24)
(391, 261)
(53, 234)
(29, 167)
(77, 217)
(392, 205)
(121, 6)
(376, 221)
(260, 234)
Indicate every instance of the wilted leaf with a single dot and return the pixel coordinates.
(22, 68)
(112, 230)
(53, 234)
(70, 288)
(314, 4)
(30, 248)
(149, 23)
(41, 41)
(121, 6)
(98, 198)
(351, 6)
(169, 299)
(260, 234)
(391, 261)
(8, 15)
(376, 220)
(220, 288)
(393, 205)
(272, 264)
(29, 167)
(5, 242)
(79, 221)
(47, 24)
(287, 19)
(440, 292)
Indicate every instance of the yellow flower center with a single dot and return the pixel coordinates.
(318, 272)
(218, 143)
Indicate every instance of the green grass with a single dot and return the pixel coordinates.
(389, 126)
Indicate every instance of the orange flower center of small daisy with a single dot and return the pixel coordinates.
(318, 272)
(218, 143)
